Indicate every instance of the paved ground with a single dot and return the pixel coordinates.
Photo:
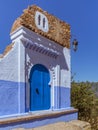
(73, 125)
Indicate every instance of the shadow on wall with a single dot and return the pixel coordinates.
(47, 57)
(35, 55)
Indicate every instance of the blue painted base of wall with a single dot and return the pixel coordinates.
(13, 101)
(40, 122)
(61, 97)
(12, 97)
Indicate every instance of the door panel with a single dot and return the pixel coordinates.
(39, 88)
(46, 91)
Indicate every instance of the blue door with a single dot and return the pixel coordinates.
(39, 88)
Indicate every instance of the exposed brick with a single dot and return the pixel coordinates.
(59, 31)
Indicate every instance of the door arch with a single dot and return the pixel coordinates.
(39, 88)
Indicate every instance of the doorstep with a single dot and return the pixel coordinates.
(36, 115)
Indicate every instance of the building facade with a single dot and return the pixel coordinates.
(35, 70)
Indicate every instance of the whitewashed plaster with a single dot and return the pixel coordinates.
(12, 63)
(58, 66)
(42, 17)
(17, 64)
(9, 66)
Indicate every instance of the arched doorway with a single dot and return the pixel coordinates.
(39, 88)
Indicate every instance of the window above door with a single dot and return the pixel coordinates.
(41, 21)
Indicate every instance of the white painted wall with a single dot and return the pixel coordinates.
(9, 66)
(59, 67)
(12, 65)
(16, 65)
(40, 26)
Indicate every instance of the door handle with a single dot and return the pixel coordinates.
(37, 91)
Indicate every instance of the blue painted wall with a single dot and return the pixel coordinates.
(61, 97)
(13, 98)
(9, 97)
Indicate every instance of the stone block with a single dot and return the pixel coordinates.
(81, 124)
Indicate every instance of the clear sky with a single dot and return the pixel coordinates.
(82, 15)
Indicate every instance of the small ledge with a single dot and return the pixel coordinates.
(36, 115)
(40, 48)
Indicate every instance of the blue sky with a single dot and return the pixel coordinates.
(82, 15)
